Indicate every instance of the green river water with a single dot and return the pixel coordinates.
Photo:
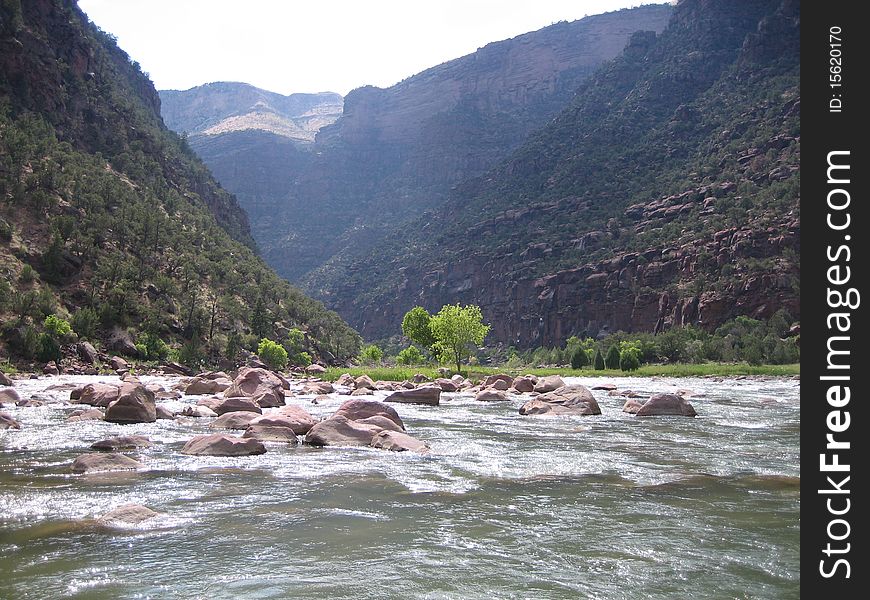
(505, 506)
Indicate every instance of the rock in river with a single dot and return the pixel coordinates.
(239, 419)
(356, 409)
(122, 442)
(398, 442)
(341, 431)
(666, 404)
(7, 421)
(126, 514)
(104, 461)
(427, 394)
(223, 445)
(566, 400)
(135, 404)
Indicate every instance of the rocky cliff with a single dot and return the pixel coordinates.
(396, 152)
(222, 108)
(666, 193)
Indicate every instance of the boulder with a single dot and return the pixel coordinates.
(213, 375)
(118, 363)
(524, 384)
(235, 404)
(121, 341)
(380, 421)
(346, 380)
(490, 381)
(122, 442)
(257, 383)
(104, 461)
(9, 395)
(200, 411)
(4, 379)
(548, 384)
(315, 369)
(446, 385)
(294, 417)
(164, 412)
(7, 421)
(199, 386)
(490, 395)
(458, 379)
(87, 353)
(429, 395)
(96, 394)
(364, 381)
(318, 388)
(356, 410)
(398, 442)
(631, 406)
(666, 405)
(218, 444)
(211, 403)
(566, 400)
(340, 431)
(126, 514)
(50, 369)
(419, 378)
(501, 385)
(29, 403)
(135, 404)
(363, 392)
(271, 433)
(174, 368)
(88, 414)
(604, 386)
(387, 386)
(233, 420)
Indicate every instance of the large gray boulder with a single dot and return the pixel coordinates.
(429, 395)
(126, 515)
(490, 395)
(87, 353)
(9, 395)
(565, 400)
(234, 404)
(201, 385)
(271, 433)
(135, 404)
(525, 383)
(398, 441)
(223, 445)
(666, 405)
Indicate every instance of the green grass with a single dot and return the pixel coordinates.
(671, 370)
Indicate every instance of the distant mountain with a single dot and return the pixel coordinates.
(396, 152)
(666, 194)
(109, 219)
(220, 108)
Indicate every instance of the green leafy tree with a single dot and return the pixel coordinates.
(611, 359)
(371, 355)
(48, 348)
(416, 326)
(410, 356)
(272, 354)
(455, 329)
(57, 327)
(629, 356)
(598, 361)
(151, 347)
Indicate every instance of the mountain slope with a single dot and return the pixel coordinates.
(667, 193)
(396, 152)
(220, 108)
(108, 216)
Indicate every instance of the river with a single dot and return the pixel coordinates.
(504, 506)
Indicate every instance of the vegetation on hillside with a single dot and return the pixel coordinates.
(109, 221)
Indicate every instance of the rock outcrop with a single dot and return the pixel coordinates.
(566, 400)
(398, 442)
(135, 404)
(429, 395)
(666, 405)
(104, 461)
(223, 445)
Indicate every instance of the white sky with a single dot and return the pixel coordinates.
(288, 46)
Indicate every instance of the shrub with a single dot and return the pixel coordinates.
(272, 354)
(57, 327)
(152, 347)
(579, 358)
(371, 355)
(598, 361)
(629, 360)
(85, 322)
(191, 354)
(27, 274)
(300, 359)
(410, 356)
(47, 348)
(611, 360)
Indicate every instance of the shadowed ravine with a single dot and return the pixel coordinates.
(504, 506)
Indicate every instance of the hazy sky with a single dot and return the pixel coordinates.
(289, 46)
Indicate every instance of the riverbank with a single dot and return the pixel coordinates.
(671, 370)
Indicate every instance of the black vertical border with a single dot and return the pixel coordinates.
(824, 131)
